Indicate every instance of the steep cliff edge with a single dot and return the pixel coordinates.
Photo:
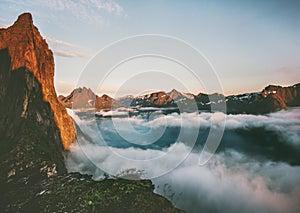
(34, 130)
(31, 119)
(27, 48)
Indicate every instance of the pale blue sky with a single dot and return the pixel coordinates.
(250, 43)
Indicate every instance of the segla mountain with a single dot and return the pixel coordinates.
(29, 51)
(270, 99)
(31, 118)
(36, 133)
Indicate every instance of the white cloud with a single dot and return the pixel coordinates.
(229, 182)
(83, 5)
(71, 54)
(90, 11)
(56, 42)
(109, 6)
(67, 49)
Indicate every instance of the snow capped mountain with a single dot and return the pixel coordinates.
(176, 95)
(271, 98)
(156, 99)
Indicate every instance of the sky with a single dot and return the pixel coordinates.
(250, 44)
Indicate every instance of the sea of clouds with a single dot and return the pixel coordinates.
(230, 182)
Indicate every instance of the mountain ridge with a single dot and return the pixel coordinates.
(272, 98)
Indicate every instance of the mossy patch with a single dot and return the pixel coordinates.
(79, 193)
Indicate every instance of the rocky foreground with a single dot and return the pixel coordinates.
(36, 132)
(79, 193)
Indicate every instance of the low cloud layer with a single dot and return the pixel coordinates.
(229, 182)
(227, 185)
(284, 123)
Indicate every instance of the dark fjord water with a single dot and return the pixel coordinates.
(255, 168)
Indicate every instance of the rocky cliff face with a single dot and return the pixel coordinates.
(27, 49)
(34, 127)
(30, 142)
(32, 139)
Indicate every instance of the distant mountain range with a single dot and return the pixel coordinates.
(270, 99)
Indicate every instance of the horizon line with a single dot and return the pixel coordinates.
(192, 93)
